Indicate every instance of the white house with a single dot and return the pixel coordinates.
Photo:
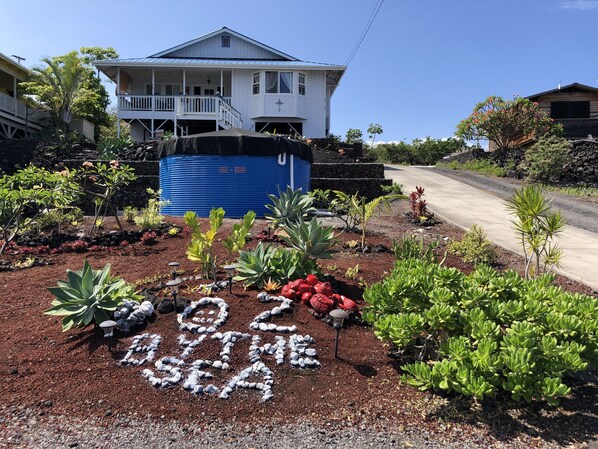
(221, 80)
(16, 119)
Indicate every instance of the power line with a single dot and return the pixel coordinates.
(365, 31)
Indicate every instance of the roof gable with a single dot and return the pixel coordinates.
(571, 88)
(210, 46)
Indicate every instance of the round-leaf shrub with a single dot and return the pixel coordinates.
(484, 333)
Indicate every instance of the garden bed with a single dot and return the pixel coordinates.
(50, 373)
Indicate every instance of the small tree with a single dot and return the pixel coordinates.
(505, 122)
(354, 136)
(537, 225)
(373, 130)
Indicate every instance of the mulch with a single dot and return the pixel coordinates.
(72, 373)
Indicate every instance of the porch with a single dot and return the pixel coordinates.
(17, 119)
(178, 108)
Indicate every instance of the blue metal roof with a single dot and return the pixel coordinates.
(213, 62)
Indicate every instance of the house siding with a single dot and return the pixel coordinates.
(574, 128)
(212, 48)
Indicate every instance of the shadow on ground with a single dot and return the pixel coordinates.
(575, 420)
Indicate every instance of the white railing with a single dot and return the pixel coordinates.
(8, 103)
(184, 106)
(229, 115)
(196, 105)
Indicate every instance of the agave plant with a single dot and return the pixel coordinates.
(88, 295)
(311, 239)
(254, 266)
(289, 207)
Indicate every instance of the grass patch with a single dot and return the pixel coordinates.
(483, 166)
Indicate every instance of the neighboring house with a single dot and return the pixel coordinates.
(221, 80)
(574, 106)
(16, 119)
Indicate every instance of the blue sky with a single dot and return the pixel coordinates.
(421, 68)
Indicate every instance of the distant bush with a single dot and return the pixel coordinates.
(545, 159)
(419, 152)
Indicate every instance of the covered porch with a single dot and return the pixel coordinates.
(180, 96)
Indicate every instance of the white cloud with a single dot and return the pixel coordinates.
(582, 5)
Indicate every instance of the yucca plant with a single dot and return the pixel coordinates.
(311, 239)
(290, 206)
(88, 295)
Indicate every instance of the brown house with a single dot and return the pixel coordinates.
(574, 106)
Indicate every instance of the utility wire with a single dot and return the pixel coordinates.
(365, 31)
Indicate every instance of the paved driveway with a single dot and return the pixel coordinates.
(465, 205)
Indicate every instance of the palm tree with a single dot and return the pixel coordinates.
(59, 85)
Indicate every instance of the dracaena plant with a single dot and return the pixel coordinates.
(537, 226)
(89, 295)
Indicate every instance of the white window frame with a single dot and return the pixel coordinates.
(278, 83)
(301, 85)
(255, 78)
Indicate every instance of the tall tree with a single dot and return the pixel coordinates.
(373, 130)
(69, 86)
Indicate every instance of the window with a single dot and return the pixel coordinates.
(570, 109)
(226, 41)
(148, 89)
(256, 83)
(302, 84)
(279, 82)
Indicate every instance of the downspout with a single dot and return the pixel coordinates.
(292, 169)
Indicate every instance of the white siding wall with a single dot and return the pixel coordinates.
(241, 95)
(212, 48)
(315, 104)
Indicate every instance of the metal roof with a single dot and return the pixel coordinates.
(180, 62)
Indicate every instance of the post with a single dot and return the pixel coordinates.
(338, 330)
(153, 90)
(14, 94)
(118, 102)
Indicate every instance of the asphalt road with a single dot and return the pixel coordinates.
(580, 213)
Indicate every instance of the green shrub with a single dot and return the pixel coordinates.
(89, 295)
(545, 159)
(30, 193)
(483, 333)
(474, 247)
(112, 147)
(410, 247)
(129, 213)
(149, 217)
(483, 166)
(419, 152)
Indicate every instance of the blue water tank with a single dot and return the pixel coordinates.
(237, 183)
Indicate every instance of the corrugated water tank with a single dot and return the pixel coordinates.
(233, 169)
